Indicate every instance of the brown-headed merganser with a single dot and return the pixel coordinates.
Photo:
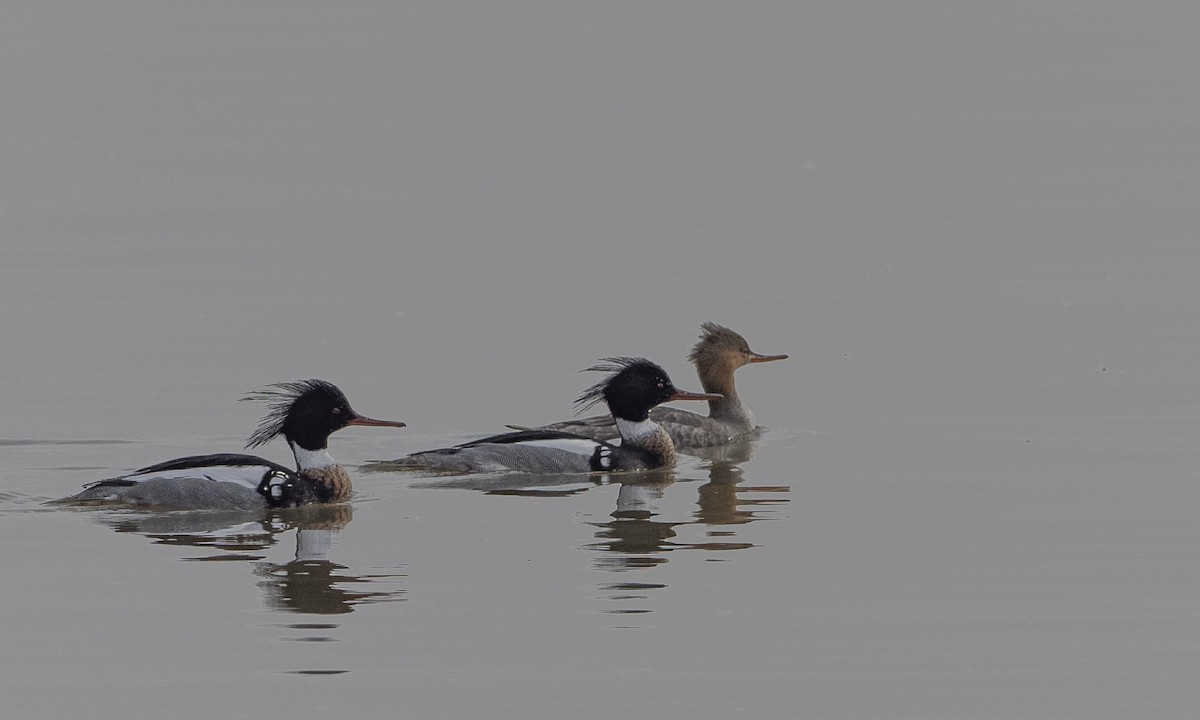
(718, 354)
(305, 413)
(633, 387)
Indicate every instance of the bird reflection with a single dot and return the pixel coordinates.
(729, 453)
(718, 502)
(309, 583)
(521, 484)
(637, 538)
(639, 535)
(319, 587)
(634, 536)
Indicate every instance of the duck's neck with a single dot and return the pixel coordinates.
(330, 481)
(649, 436)
(719, 379)
(311, 459)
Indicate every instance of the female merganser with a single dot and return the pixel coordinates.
(633, 387)
(717, 355)
(305, 412)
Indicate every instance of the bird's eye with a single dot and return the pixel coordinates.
(337, 411)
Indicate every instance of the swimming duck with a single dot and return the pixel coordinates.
(305, 413)
(633, 386)
(717, 355)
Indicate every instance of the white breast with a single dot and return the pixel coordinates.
(632, 430)
(312, 459)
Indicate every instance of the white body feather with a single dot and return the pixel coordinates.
(579, 446)
(244, 475)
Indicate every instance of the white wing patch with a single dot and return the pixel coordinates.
(245, 475)
(276, 484)
(606, 457)
(579, 446)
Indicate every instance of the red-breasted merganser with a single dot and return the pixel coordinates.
(634, 386)
(718, 354)
(305, 413)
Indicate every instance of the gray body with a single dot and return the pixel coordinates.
(717, 356)
(178, 492)
(492, 458)
(687, 429)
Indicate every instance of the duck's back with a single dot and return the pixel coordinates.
(690, 430)
(599, 427)
(226, 481)
(687, 429)
(173, 493)
(531, 451)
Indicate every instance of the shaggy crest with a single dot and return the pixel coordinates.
(279, 403)
(613, 366)
(715, 335)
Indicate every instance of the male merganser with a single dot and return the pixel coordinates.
(305, 412)
(717, 355)
(633, 387)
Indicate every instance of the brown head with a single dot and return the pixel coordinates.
(719, 353)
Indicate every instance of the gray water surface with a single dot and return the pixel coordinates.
(973, 226)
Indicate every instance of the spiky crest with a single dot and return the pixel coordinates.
(280, 401)
(716, 336)
(613, 366)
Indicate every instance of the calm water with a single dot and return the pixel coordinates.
(972, 225)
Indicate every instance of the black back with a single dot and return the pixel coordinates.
(201, 461)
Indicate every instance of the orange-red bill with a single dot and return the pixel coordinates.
(372, 422)
(755, 357)
(685, 395)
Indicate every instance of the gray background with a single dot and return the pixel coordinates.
(972, 225)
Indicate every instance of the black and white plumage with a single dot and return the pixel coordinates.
(718, 354)
(632, 388)
(305, 413)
